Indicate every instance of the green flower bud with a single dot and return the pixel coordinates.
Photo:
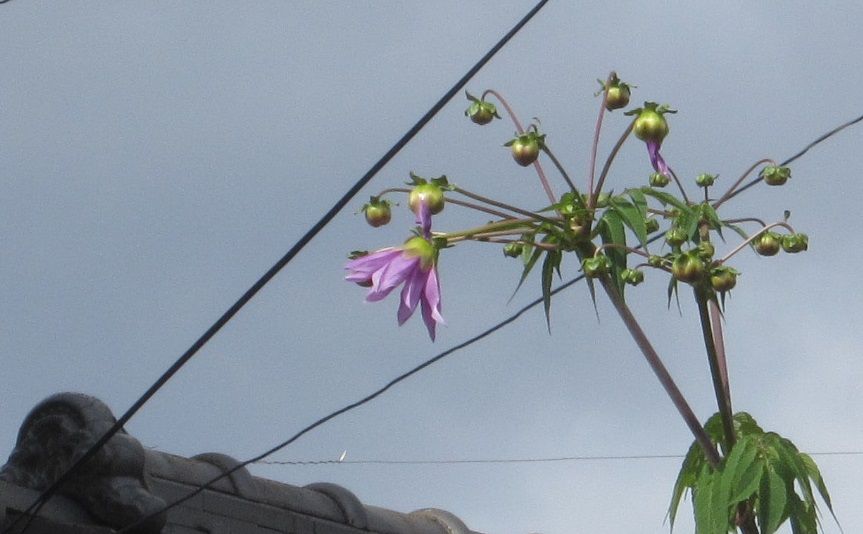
(705, 180)
(776, 175)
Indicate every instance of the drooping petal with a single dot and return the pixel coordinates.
(431, 303)
(424, 218)
(394, 273)
(411, 293)
(362, 268)
(656, 159)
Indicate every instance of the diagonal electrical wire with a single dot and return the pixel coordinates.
(356, 404)
(34, 508)
(806, 149)
(420, 367)
(552, 459)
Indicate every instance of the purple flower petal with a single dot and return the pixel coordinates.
(362, 268)
(411, 294)
(656, 159)
(424, 218)
(431, 303)
(394, 273)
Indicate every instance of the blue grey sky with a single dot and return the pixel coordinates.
(157, 158)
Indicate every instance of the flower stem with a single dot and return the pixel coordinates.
(605, 168)
(520, 130)
(508, 226)
(661, 372)
(718, 370)
(560, 168)
(501, 205)
(728, 194)
(455, 201)
(592, 168)
(679, 185)
(752, 238)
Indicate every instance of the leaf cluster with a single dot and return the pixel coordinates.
(764, 477)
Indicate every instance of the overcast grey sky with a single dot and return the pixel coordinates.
(157, 158)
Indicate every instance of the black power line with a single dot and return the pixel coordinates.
(512, 318)
(356, 404)
(34, 508)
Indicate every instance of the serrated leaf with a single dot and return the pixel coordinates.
(802, 516)
(738, 464)
(747, 483)
(686, 478)
(639, 200)
(667, 199)
(672, 291)
(709, 214)
(612, 232)
(772, 498)
(815, 475)
(632, 217)
(549, 265)
(528, 265)
(711, 510)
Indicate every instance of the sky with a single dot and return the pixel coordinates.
(157, 158)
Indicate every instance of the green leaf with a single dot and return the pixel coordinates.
(772, 498)
(739, 470)
(709, 215)
(612, 232)
(686, 478)
(802, 516)
(632, 216)
(815, 474)
(667, 199)
(639, 200)
(737, 229)
(711, 510)
(549, 265)
(528, 265)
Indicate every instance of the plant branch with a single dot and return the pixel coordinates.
(728, 194)
(661, 372)
(520, 129)
(720, 385)
(592, 168)
(591, 203)
(501, 205)
(560, 168)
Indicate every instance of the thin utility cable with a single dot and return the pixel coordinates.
(824, 137)
(353, 405)
(33, 509)
(551, 459)
(406, 375)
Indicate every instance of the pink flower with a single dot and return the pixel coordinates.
(413, 264)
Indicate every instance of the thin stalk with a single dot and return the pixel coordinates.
(752, 238)
(560, 168)
(719, 341)
(728, 194)
(720, 386)
(501, 205)
(592, 168)
(679, 185)
(520, 129)
(455, 201)
(605, 168)
(508, 226)
(661, 373)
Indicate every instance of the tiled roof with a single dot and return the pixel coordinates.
(125, 483)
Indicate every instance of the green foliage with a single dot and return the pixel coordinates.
(764, 478)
